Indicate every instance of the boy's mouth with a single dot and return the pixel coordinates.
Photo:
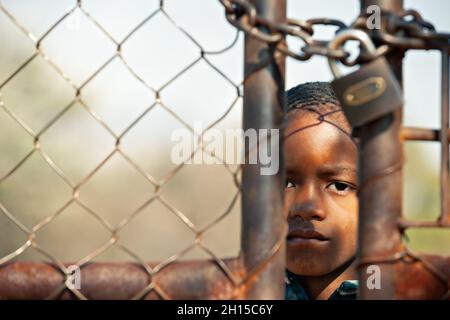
(301, 235)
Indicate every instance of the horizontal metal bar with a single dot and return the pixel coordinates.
(422, 134)
(404, 224)
(422, 277)
(179, 280)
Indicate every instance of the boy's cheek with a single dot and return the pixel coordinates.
(344, 219)
(344, 239)
(345, 233)
(346, 206)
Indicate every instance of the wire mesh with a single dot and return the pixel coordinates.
(78, 101)
(416, 39)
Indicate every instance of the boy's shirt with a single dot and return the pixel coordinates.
(346, 291)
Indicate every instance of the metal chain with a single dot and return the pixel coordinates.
(406, 31)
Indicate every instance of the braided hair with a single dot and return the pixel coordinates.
(319, 98)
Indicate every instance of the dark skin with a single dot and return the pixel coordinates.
(320, 204)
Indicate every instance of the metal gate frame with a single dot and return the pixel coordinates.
(258, 273)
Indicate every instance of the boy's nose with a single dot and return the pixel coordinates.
(307, 205)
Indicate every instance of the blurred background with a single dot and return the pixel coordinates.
(206, 91)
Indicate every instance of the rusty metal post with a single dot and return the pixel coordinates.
(444, 217)
(380, 200)
(263, 224)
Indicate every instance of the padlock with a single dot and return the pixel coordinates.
(370, 92)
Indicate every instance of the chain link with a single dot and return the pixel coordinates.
(405, 31)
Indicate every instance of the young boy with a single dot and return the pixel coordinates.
(320, 196)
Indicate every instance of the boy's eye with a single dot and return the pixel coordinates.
(340, 187)
(290, 184)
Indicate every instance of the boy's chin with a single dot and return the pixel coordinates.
(310, 268)
(316, 266)
(310, 272)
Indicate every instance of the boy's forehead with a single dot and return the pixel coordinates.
(307, 122)
(317, 143)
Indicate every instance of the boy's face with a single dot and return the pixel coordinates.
(320, 197)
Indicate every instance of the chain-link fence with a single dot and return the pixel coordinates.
(212, 275)
(259, 267)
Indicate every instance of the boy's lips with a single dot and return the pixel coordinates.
(302, 235)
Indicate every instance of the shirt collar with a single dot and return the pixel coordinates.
(348, 289)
